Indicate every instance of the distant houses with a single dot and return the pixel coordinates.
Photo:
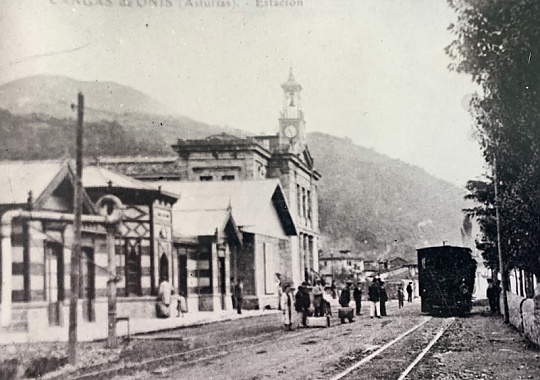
(341, 264)
(346, 265)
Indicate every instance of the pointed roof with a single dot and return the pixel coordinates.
(41, 178)
(246, 199)
(291, 84)
(193, 223)
(96, 177)
(17, 178)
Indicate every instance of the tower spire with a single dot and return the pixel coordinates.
(291, 75)
(291, 85)
(292, 125)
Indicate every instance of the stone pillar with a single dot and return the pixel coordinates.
(295, 262)
(216, 298)
(228, 299)
(301, 255)
(307, 255)
(314, 252)
(6, 274)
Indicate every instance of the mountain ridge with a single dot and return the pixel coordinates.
(369, 202)
(107, 96)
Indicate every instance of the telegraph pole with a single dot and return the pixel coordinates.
(76, 248)
(112, 341)
(502, 268)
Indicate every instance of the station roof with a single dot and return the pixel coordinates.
(17, 178)
(99, 177)
(37, 180)
(246, 199)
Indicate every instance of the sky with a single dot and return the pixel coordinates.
(371, 70)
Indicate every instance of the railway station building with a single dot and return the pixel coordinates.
(36, 248)
(225, 158)
(144, 238)
(226, 231)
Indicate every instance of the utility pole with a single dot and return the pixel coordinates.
(76, 249)
(502, 268)
(112, 341)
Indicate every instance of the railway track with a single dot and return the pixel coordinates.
(397, 358)
(393, 360)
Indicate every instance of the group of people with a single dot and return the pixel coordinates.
(165, 299)
(401, 294)
(297, 307)
(377, 297)
(345, 296)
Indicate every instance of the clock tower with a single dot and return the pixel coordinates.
(292, 133)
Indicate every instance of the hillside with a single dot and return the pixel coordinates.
(51, 96)
(368, 202)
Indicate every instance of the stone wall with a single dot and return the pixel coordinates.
(524, 314)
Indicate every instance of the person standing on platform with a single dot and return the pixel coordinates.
(491, 293)
(374, 298)
(465, 297)
(239, 295)
(409, 292)
(497, 284)
(345, 296)
(182, 304)
(400, 296)
(384, 297)
(357, 295)
(302, 304)
(279, 290)
(287, 307)
(233, 298)
(164, 298)
(318, 306)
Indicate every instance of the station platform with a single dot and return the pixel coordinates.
(87, 332)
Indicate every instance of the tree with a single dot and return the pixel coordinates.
(498, 44)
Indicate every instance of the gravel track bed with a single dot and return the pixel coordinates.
(391, 362)
(305, 354)
(480, 346)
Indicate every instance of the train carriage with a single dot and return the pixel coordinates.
(441, 272)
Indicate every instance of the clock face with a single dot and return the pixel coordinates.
(290, 131)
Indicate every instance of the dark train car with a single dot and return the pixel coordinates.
(441, 271)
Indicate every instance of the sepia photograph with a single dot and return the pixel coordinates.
(270, 189)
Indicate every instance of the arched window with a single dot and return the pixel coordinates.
(133, 267)
(164, 267)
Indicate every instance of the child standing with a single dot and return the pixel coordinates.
(400, 296)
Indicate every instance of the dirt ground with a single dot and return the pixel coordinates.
(480, 346)
(300, 354)
(476, 347)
